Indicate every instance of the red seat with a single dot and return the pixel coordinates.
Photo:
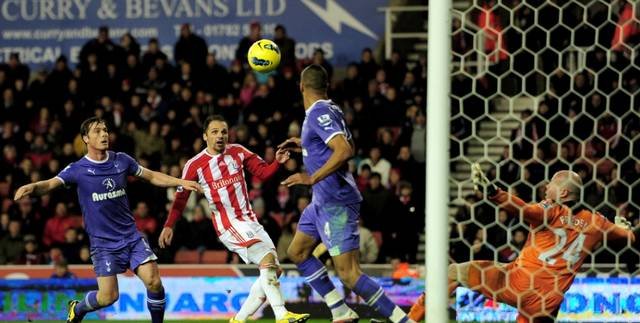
(187, 257)
(214, 257)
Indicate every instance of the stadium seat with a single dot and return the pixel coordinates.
(187, 257)
(214, 257)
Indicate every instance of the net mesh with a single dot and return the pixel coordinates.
(538, 87)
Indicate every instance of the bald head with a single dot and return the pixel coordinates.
(569, 181)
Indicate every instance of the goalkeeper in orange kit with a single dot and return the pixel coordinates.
(561, 236)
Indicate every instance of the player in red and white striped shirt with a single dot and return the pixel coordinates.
(219, 169)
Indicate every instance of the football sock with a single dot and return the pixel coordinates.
(373, 294)
(252, 303)
(316, 275)
(156, 302)
(88, 304)
(271, 288)
(417, 311)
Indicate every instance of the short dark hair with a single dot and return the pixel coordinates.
(86, 125)
(315, 77)
(211, 118)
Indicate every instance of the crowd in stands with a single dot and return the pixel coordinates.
(155, 107)
(587, 120)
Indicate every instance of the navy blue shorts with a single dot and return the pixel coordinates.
(112, 262)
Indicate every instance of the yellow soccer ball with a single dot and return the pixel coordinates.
(264, 56)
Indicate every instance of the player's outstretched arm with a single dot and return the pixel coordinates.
(163, 180)
(259, 168)
(532, 213)
(621, 228)
(342, 151)
(480, 180)
(37, 188)
(292, 144)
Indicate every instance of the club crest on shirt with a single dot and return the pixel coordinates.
(109, 184)
(324, 120)
(232, 166)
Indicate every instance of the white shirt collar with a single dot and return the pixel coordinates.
(314, 104)
(97, 161)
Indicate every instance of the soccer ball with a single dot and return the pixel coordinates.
(264, 56)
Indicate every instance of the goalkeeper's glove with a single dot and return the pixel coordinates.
(622, 222)
(480, 179)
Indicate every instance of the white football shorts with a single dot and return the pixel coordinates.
(249, 240)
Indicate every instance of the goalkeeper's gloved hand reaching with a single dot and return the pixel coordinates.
(622, 222)
(480, 180)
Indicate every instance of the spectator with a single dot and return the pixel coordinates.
(190, 48)
(375, 202)
(352, 85)
(396, 69)
(202, 235)
(71, 246)
(105, 51)
(368, 245)
(12, 245)
(152, 54)
(362, 181)
(367, 67)
(31, 255)
(510, 252)
(149, 143)
(85, 256)
(28, 216)
(418, 138)
(246, 42)
(378, 165)
(4, 224)
(215, 77)
(146, 224)
(402, 231)
(287, 47)
(57, 80)
(285, 240)
(56, 226)
(61, 271)
(15, 70)
(319, 59)
(129, 45)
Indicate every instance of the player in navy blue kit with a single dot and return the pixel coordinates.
(332, 216)
(101, 179)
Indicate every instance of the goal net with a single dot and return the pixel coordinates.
(537, 87)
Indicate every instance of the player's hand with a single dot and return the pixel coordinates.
(480, 180)
(282, 155)
(24, 191)
(622, 222)
(292, 144)
(165, 237)
(297, 179)
(191, 186)
(478, 177)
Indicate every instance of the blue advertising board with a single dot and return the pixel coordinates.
(42, 30)
(589, 299)
(187, 297)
